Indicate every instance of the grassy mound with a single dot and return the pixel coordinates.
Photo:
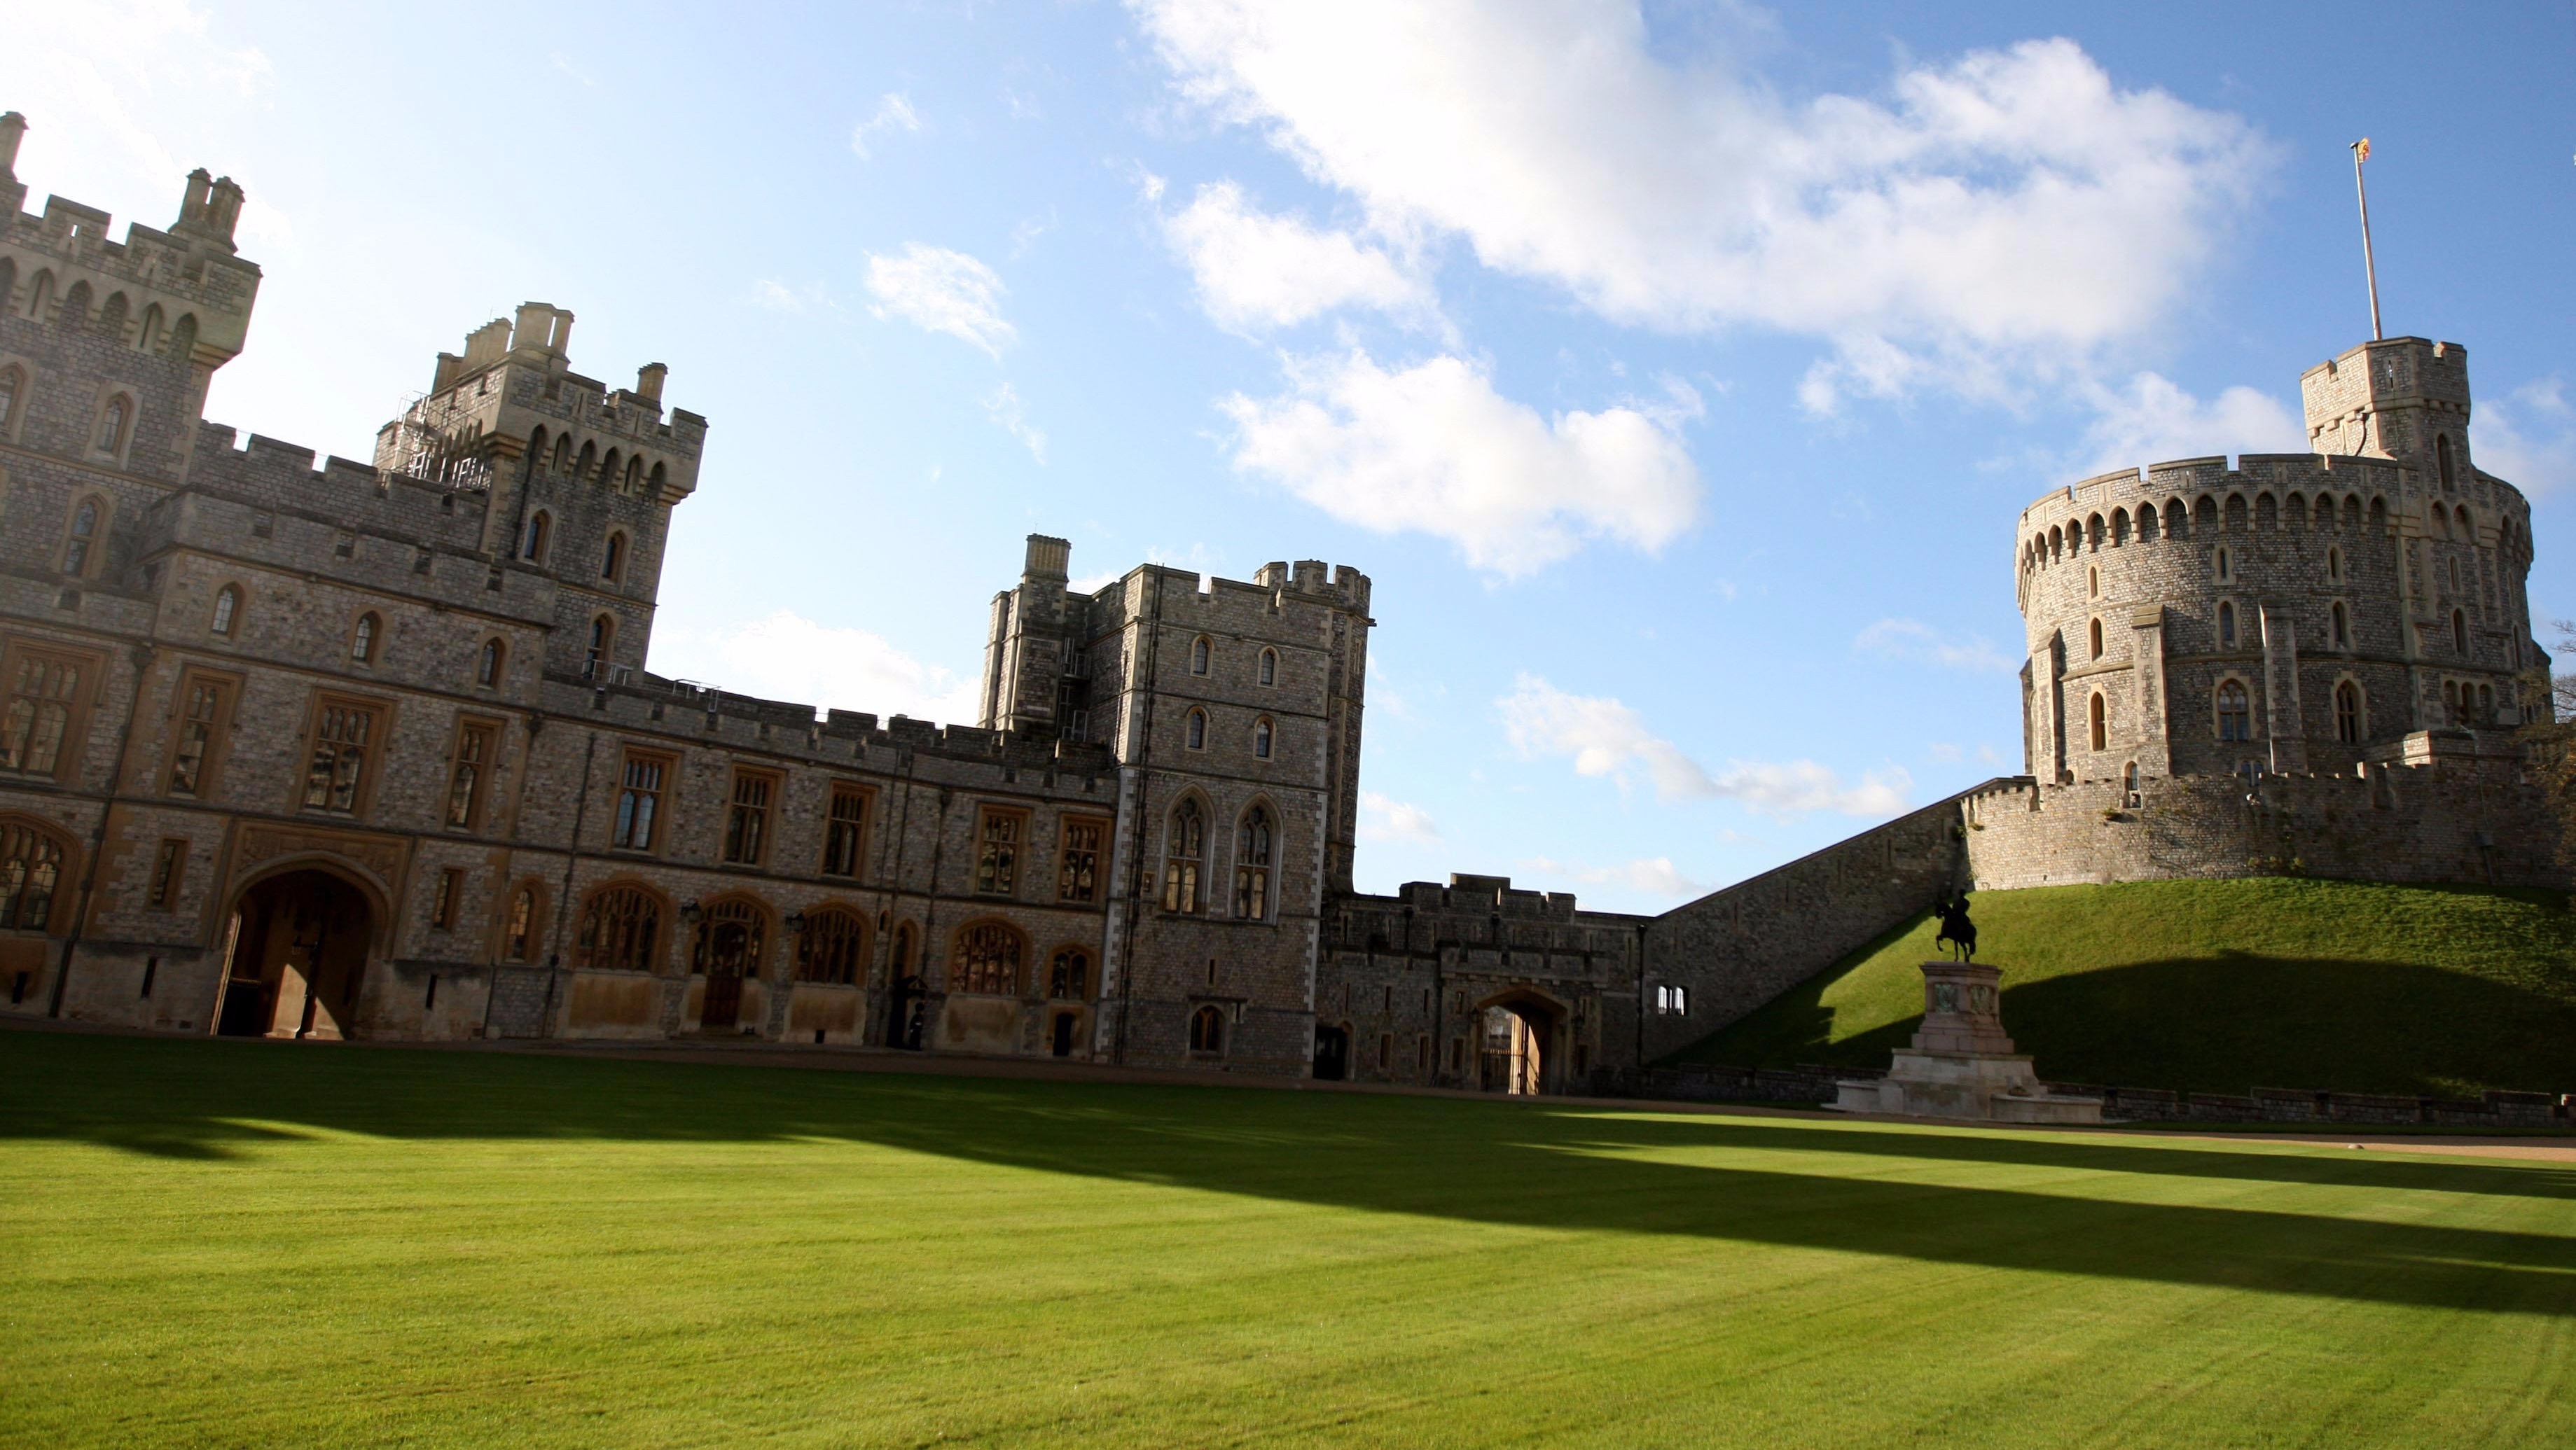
(2220, 986)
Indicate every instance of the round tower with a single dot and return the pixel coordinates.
(2296, 614)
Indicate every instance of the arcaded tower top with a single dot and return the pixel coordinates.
(2296, 613)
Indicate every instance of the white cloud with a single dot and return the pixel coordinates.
(2153, 421)
(2528, 437)
(1383, 819)
(771, 295)
(1003, 407)
(1653, 876)
(1436, 449)
(2013, 208)
(894, 112)
(1605, 737)
(942, 291)
(1912, 639)
(1259, 269)
(785, 656)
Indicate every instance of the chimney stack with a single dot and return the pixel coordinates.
(13, 129)
(648, 381)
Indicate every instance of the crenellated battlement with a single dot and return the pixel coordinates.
(180, 293)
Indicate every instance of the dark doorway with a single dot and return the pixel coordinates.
(1064, 1023)
(1332, 1054)
(299, 957)
(728, 951)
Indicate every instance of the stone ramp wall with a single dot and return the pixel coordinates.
(1735, 949)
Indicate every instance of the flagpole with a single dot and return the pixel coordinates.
(2369, 268)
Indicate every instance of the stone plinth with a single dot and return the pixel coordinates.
(1961, 1064)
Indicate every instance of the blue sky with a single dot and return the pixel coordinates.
(1676, 372)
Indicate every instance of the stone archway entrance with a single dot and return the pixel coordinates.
(299, 958)
(1516, 1047)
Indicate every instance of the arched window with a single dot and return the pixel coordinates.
(609, 469)
(111, 318)
(487, 664)
(1199, 655)
(987, 959)
(563, 453)
(75, 306)
(2097, 639)
(1184, 850)
(2295, 511)
(2441, 522)
(1207, 1031)
(2468, 529)
(2460, 632)
(832, 948)
(2334, 565)
(1196, 730)
(13, 385)
(183, 339)
(1261, 739)
(519, 934)
(2486, 704)
(2147, 529)
(612, 558)
(40, 295)
(111, 424)
(2056, 543)
(2119, 527)
(634, 475)
(8, 282)
(2204, 514)
(2442, 459)
(2451, 702)
(2094, 531)
(2177, 519)
(1069, 975)
(2101, 722)
(2342, 626)
(362, 639)
(1252, 866)
(620, 927)
(2226, 625)
(2129, 781)
(227, 606)
(2347, 708)
(31, 869)
(584, 464)
(150, 338)
(2092, 583)
(2226, 567)
(654, 482)
(1270, 667)
(2236, 513)
(2235, 711)
(533, 547)
(603, 633)
(80, 541)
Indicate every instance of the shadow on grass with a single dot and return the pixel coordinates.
(2227, 1024)
(1520, 1165)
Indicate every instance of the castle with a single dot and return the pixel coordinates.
(369, 749)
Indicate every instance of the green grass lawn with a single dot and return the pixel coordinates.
(258, 1244)
(2222, 986)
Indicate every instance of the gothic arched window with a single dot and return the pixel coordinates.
(227, 605)
(1184, 852)
(620, 927)
(1261, 733)
(1207, 1031)
(31, 867)
(1199, 655)
(2442, 459)
(987, 959)
(1196, 730)
(2101, 723)
(1270, 667)
(1252, 866)
(2235, 711)
(487, 664)
(2347, 708)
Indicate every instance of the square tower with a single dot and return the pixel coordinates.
(2404, 398)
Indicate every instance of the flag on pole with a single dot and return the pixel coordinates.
(2361, 149)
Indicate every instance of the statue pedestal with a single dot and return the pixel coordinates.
(1961, 1064)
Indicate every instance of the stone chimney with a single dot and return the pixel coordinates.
(648, 381)
(13, 129)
